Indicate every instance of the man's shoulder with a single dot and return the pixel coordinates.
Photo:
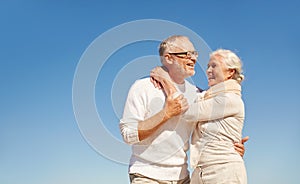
(142, 84)
(142, 81)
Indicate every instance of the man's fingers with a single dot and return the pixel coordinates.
(240, 151)
(181, 102)
(238, 145)
(184, 105)
(240, 148)
(177, 96)
(245, 139)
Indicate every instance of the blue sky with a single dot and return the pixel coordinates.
(42, 43)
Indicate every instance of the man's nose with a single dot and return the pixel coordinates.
(193, 58)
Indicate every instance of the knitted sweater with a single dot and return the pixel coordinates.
(162, 155)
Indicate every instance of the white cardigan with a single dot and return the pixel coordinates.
(220, 113)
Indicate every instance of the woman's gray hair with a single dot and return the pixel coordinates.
(232, 61)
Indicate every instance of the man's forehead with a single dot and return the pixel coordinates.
(182, 44)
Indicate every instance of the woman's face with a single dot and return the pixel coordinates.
(217, 71)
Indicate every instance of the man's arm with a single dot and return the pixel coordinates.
(239, 146)
(134, 127)
(173, 107)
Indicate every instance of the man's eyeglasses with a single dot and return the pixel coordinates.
(185, 55)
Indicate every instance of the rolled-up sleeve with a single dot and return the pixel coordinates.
(134, 112)
(129, 131)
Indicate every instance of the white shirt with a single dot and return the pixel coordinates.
(162, 155)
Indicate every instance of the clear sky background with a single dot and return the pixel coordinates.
(41, 43)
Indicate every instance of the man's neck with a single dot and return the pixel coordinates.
(176, 78)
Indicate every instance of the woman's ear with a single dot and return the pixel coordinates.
(231, 73)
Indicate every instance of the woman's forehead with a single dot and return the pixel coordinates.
(216, 57)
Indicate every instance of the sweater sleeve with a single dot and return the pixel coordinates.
(221, 106)
(134, 111)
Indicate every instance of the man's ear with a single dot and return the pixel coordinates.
(168, 59)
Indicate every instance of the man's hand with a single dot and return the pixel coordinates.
(175, 105)
(239, 146)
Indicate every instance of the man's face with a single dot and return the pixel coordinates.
(183, 56)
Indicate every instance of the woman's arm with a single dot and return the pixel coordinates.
(221, 106)
(161, 79)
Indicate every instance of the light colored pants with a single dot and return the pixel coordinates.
(140, 179)
(227, 173)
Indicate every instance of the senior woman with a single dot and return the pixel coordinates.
(219, 113)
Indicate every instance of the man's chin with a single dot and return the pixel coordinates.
(192, 73)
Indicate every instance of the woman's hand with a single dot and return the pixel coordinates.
(161, 79)
(175, 103)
